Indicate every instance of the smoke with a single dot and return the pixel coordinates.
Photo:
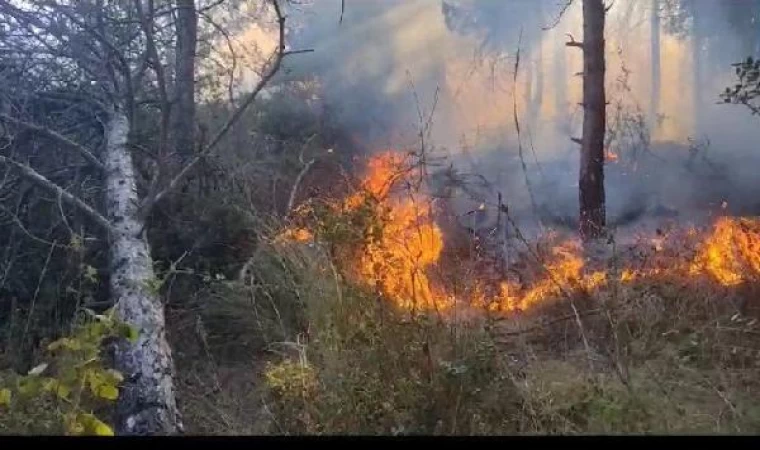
(388, 63)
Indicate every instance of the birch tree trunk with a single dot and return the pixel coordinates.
(591, 179)
(147, 402)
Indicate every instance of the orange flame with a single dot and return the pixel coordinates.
(296, 235)
(732, 252)
(400, 257)
(397, 260)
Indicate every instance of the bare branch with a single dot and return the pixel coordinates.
(58, 137)
(20, 224)
(154, 60)
(299, 177)
(559, 16)
(230, 49)
(279, 55)
(517, 126)
(41, 181)
(573, 42)
(99, 36)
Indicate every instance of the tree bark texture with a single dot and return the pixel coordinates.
(183, 117)
(591, 179)
(147, 402)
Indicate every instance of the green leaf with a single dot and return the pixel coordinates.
(101, 429)
(29, 386)
(63, 391)
(67, 343)
(5, 397)
(95, 426)
(108, 392)
(115, 376)
(59, 389)
(94, 331)
(93, 379)
(129, 332)
(73, 424)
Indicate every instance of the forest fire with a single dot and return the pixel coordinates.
(732, 252)
(401, 248)
(407, 240)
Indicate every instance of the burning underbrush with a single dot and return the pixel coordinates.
(646, 332)
(385, 237)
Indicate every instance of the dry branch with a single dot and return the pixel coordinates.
(58, 137)
(280, 54)
(43, 182)
(517, 127)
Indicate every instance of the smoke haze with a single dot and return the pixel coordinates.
(389, 62)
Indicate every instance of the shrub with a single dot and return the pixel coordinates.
(63, 394)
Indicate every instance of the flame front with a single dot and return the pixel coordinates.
(410, 244)
(407, 244)
(731, 254)
(400, 255)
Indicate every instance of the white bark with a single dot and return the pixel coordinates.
(147, 402)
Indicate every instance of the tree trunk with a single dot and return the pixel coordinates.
(591, 182)
(147, 402)
(183, 117)
(654, 106)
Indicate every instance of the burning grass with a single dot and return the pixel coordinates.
(664, 337)
(666, 353)
(387, 239)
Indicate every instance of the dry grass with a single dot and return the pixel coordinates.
(667, 353)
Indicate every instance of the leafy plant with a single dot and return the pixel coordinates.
(72, 384)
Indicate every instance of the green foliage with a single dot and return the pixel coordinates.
(242, 317)
(561, 399)
(70, 385)
(369, 370)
